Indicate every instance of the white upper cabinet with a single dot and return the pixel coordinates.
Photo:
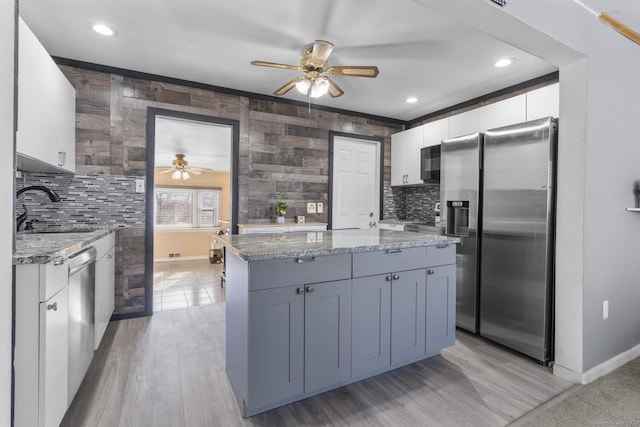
(405, 156)
(464, 123)
(46, 110)
(543, 102)
(433, 133)
(503, 113)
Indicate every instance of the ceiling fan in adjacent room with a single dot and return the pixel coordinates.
(180, 169)
(314, 64)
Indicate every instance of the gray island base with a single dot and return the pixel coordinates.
(308, 312)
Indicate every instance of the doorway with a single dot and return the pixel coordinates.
(355, 180)
(192, 195)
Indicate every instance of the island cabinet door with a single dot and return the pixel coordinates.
(408, 316)
(327, 334)
(371, 325)
(441, 308)
(276, 345)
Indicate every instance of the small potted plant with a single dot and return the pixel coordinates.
(281, 208)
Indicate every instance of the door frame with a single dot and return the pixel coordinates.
(379, 141)
(152, 112)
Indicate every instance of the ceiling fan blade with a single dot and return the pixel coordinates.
(354, 71)
(168, 170)
(194, 171)
(321, 51)
(334, 89)
(276, 65)
(288, 86)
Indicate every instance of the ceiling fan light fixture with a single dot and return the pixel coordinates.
(303, 86)
(320, 87)
(185, 175)
(176, 175)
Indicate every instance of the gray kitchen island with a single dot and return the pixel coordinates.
(308, 312)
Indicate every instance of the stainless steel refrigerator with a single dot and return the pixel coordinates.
(511, 225)
(517, 240)
(461, 159)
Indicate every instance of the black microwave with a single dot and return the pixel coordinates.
(430, 163)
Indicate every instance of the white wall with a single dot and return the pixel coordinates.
(599, 158)
(7, 16)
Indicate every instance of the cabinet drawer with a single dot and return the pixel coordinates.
(378, 262)
(56, 277)
(298, 271)
(441, 255)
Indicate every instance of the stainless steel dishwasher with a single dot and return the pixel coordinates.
(81, 316)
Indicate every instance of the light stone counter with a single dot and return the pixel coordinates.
(259, 247)
(40, 248)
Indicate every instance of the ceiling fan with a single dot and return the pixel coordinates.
(180, 169)
(314, 64)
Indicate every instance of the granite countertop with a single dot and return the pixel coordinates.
(40, 248)
(284, 224)
(258, 247)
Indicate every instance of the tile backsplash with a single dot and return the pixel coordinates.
(86, 200)
(411, 203)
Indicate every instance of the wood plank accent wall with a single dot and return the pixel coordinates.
(283, 147)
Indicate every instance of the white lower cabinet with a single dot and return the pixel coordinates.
(42, 344)
(105, 285)
(54, 358)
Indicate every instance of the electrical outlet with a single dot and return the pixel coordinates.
(139, 185)
(311, 208)
(320, 207)
(605, 310)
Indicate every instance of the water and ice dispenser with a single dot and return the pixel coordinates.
(458, 218)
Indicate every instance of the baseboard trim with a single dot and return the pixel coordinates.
(610, 365)
(181, 258)
(597, 371)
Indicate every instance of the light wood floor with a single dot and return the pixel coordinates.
(169, 370)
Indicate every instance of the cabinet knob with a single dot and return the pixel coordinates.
(310, 289)
(388, 278)
(58, 261)
(396, 277)
(300, 291)
(110, 256)
(430, 271)
(53, 306)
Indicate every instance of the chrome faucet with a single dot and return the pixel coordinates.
(53, 196)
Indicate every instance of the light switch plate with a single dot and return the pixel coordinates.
(320, 207)
(311, 208)
(139, 185)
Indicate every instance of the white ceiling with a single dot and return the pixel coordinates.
(419, 52)
(205, 145)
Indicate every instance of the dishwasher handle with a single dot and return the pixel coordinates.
(81, 259)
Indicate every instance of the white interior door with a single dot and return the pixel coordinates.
(356, 183)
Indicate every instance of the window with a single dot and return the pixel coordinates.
(186, 207)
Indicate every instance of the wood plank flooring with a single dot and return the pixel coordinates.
(169, 370)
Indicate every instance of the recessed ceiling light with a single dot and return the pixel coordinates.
(411, 99)
(504, 62)
(103, 29)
